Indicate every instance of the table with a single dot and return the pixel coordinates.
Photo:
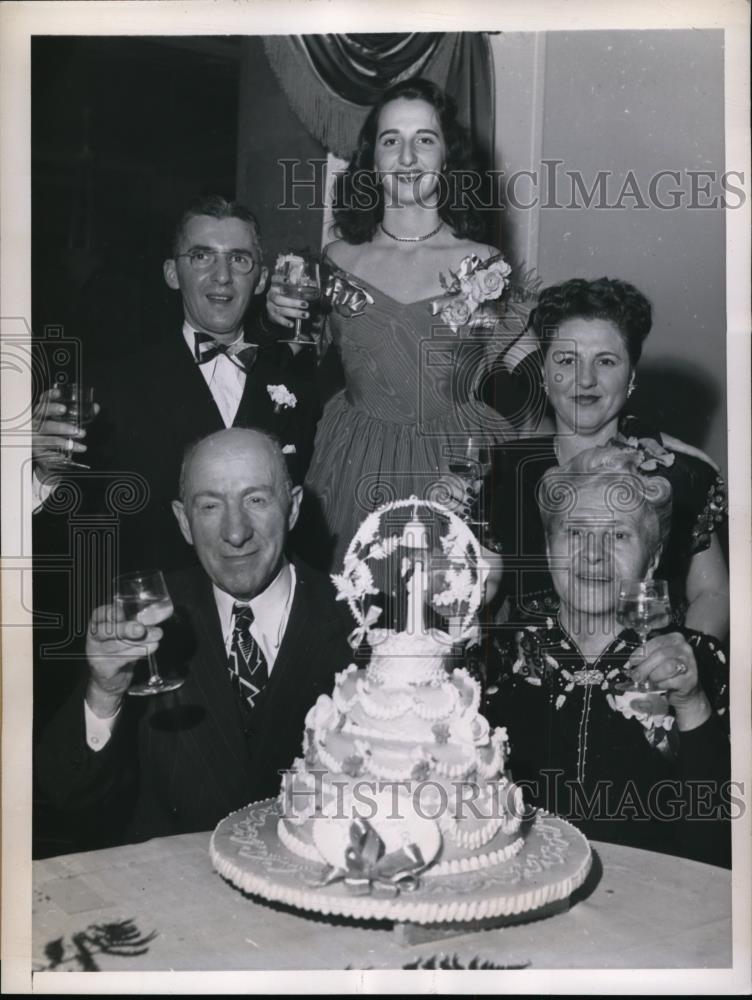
(160, 905)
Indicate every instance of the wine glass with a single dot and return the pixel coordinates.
(473, 469)
(300, 279)
(79, 410)
(143, 597)
(644, 606)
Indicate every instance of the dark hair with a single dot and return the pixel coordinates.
(357, 222)
(605, 298)
(217, 207)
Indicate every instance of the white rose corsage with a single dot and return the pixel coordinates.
(282, 398)
(473, 283)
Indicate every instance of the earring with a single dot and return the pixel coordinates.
(631, 386)
(544, 386)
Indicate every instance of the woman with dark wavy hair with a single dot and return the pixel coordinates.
(591, 335)
(358, 204)
(403, 279)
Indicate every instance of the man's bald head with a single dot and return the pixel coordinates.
(236, 507)
(244, 437)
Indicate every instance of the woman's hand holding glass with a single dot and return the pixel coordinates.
(294, 296)
(283, 308)
(667, 664)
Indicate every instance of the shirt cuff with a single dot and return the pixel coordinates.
(39, 492)
(98, 731)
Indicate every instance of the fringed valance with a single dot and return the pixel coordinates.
(332, 80)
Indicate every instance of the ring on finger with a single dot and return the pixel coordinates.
(681, 667)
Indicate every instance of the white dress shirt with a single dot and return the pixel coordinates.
(226, 380)
(271, 612)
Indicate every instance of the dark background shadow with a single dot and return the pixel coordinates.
(125, 132)
(678, 397)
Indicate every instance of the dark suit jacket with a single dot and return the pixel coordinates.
(154, 404)
(182, 761)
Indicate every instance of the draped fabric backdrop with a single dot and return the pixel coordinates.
(332, 80)
(314, 100)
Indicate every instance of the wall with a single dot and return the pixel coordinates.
(269, 131)
(620, 101)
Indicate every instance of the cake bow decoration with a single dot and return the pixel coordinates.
(369, 868)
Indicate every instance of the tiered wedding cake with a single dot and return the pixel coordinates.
(400, 745)
(399, 808)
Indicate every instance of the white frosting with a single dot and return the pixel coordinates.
(407, 719)
(402, 660)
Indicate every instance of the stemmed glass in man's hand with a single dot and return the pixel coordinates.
(78, 400)
(300, 279)
(644, 607)
(143, 597)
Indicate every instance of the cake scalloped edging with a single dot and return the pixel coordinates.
(476, 862)
(402, 909)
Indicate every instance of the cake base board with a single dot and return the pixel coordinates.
(407, 933)
(554, 861)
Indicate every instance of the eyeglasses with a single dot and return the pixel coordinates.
(204, 260)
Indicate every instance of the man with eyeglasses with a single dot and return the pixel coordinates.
(213, 373)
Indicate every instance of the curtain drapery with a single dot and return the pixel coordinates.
(332, 80)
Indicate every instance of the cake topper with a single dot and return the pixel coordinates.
(456, 560)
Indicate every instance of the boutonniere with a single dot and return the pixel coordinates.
(473, 283)
(282, 398)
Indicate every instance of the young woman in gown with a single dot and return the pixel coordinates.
(410, 399)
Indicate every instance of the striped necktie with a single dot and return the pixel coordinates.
(246, 662)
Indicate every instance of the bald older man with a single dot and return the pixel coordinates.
(258, 638)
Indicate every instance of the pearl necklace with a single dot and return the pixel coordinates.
(410, 239)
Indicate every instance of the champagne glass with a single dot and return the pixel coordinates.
(79, 410)
(644, 606)
(300, 279)
(473, 469)
(143, 597)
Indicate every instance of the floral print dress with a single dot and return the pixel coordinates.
(586, 751)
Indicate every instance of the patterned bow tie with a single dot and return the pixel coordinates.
(206, 348)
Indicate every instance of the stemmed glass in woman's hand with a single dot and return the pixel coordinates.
(643, 606)
(473, 469)
(143, 597)
(300, 279)
(78, 400)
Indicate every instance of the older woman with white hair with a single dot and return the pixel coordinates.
(590, 336)
(623, 763)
